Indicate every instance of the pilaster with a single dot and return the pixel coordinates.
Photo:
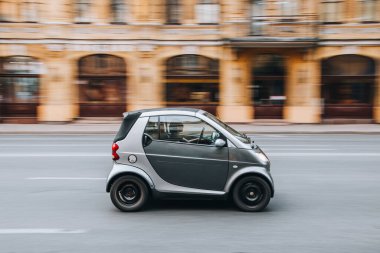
(56, 92)
(302, 89)
(147, 87)
(234, 88)
(376, 109)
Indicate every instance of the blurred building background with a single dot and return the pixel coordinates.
(300, 61)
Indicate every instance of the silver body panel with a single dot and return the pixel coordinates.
(132, 145)
(247, 170)
(118, 169)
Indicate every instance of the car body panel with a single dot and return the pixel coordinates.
(248, 157)
(189, 165)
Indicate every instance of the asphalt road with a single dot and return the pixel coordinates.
(52, 199)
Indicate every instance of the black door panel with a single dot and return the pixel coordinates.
(189, 165)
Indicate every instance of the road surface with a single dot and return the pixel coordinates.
(53, 200)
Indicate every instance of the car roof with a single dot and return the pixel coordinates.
(164, 109)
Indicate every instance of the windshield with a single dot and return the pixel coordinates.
(242, 137)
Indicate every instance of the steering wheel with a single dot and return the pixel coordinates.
(195, 140)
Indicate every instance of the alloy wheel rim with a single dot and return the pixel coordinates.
(129, 193)
(251, 193)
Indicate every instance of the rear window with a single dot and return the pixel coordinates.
(126, 126)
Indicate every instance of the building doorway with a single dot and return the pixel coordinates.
(268, 86)
(348, 83)
(102, 86)
(192, 81)
(19, 88)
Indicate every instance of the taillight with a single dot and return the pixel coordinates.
(115, 156)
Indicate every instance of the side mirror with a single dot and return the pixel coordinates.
(215, 135)
(220, 143)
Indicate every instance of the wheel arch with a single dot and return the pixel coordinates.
(120, 171)
(237, 176)
(117, 176)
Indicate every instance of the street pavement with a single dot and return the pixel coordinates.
(111, 128)
(327, 199)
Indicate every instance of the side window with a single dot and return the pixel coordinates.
(152, 128)
(186, 129)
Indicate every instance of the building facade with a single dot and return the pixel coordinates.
(301, 61)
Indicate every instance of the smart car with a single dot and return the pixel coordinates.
(182, 153)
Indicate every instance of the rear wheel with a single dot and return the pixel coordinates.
(129, 193)
(251, 194)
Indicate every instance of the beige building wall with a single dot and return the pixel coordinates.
(145, 42)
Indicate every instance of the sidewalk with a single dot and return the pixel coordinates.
(75, 128)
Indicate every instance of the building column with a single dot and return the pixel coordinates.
(145, 86)
(303, 89)
(158, 12)
(141, 10)
(57, 92)
(376, 102)
(234, 88)
(188, 12)
(101, 12)
(57, 11)
(9, 11)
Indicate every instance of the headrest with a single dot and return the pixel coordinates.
(175, 127)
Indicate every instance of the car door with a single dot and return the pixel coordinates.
(181, 150)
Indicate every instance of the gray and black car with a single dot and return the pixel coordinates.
(186, 152)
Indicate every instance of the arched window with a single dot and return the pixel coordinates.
(347, 86)
(348, 65)
(101, 65)
(192, 80)
(118, 11)
(192, 65)
(102, 85)
(19, 85)
(173, 12)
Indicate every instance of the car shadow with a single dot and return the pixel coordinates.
(159, 205)
(200, 205)
(276, 205)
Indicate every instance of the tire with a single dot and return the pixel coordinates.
(129, 193)
(251, 194)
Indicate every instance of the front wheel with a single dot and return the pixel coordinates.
(129, 193)
(251, 194)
